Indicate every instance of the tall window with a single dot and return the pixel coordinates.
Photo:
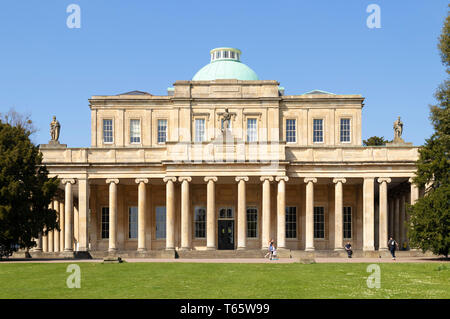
(105, 222)
(132, 222)
(107, 131)
(252, 134)
(135, 131)
(319, 222)
(162, 131)
(199, 130)
(252, 222)
(345, 130)
(291, 131)
(160, 222)
(200, 222)
(291, 222)
(317, 130)
(347, 222)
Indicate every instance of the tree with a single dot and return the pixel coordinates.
(430, 216)
(25, 191)
(14, 118)
(375, 141)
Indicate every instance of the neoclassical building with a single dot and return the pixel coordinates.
(227, 161)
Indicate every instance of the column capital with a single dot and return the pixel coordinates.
(339, 180)
(210, 178)
(184, 178)
(268, 178)
(170, 178)
(281, 178)
(384, 179)
(112, 180)
(410, 180)
(310, 179)
(68, 180)
(241, 178)
(141, 180)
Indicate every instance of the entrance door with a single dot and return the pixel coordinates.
(226, 234)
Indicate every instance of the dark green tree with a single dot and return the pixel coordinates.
(430, 216)
(25, 190)
(375, 141)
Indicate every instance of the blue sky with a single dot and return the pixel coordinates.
(48, 69)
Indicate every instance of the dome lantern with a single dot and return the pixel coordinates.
(225, 63)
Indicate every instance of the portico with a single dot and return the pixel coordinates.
(228, 163)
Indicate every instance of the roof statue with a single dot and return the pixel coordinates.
(398, 131)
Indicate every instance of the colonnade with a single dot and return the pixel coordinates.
(391, 213)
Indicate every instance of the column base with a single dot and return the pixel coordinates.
(369, 248)
(310, 249)
(170, 248)
(339, 249)
(241, 248)
(141, 250)
(184, 248)
(383, 249)
(211, 248)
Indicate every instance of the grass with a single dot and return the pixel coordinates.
(210, 280)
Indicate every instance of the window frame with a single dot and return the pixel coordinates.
(295, 130)
(344, 222)
(196, 140)
(248, 119)
(349, 130)
(166, 130)
(295, 223)
(102, 223)
(247, 229)
(129, 223)
(164, 228)
(322, 130)
(140, 131)
(103, 130)
(316, 223)
(200, 222)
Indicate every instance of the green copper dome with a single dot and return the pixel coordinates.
(225, 64)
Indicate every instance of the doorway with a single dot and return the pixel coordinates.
(225, 229)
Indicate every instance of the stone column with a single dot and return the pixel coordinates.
(397, 219)
(402, 233)
(309, 227)
(83, 214)
(170, 212)
(414, 192)
(112, 213)
(44, 241)
(68, 215)
(281, 211)
(210, 212)
(241, 213)
(38, 243)
(338, 213)
(50, 235)
(391, 217)
(414, 198)
(383, 194)
(142, 206)
(265, 237)
(56, 233)
(185, 218)
(369, 214)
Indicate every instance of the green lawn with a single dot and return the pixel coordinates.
(210, 280)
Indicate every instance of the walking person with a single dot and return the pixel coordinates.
(392, 244)
(269, 252)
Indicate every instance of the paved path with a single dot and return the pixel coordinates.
(239, 260)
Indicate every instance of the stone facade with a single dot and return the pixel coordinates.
(244, 184)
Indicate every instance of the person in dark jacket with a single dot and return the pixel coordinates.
(348, 249)
(392, 245)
